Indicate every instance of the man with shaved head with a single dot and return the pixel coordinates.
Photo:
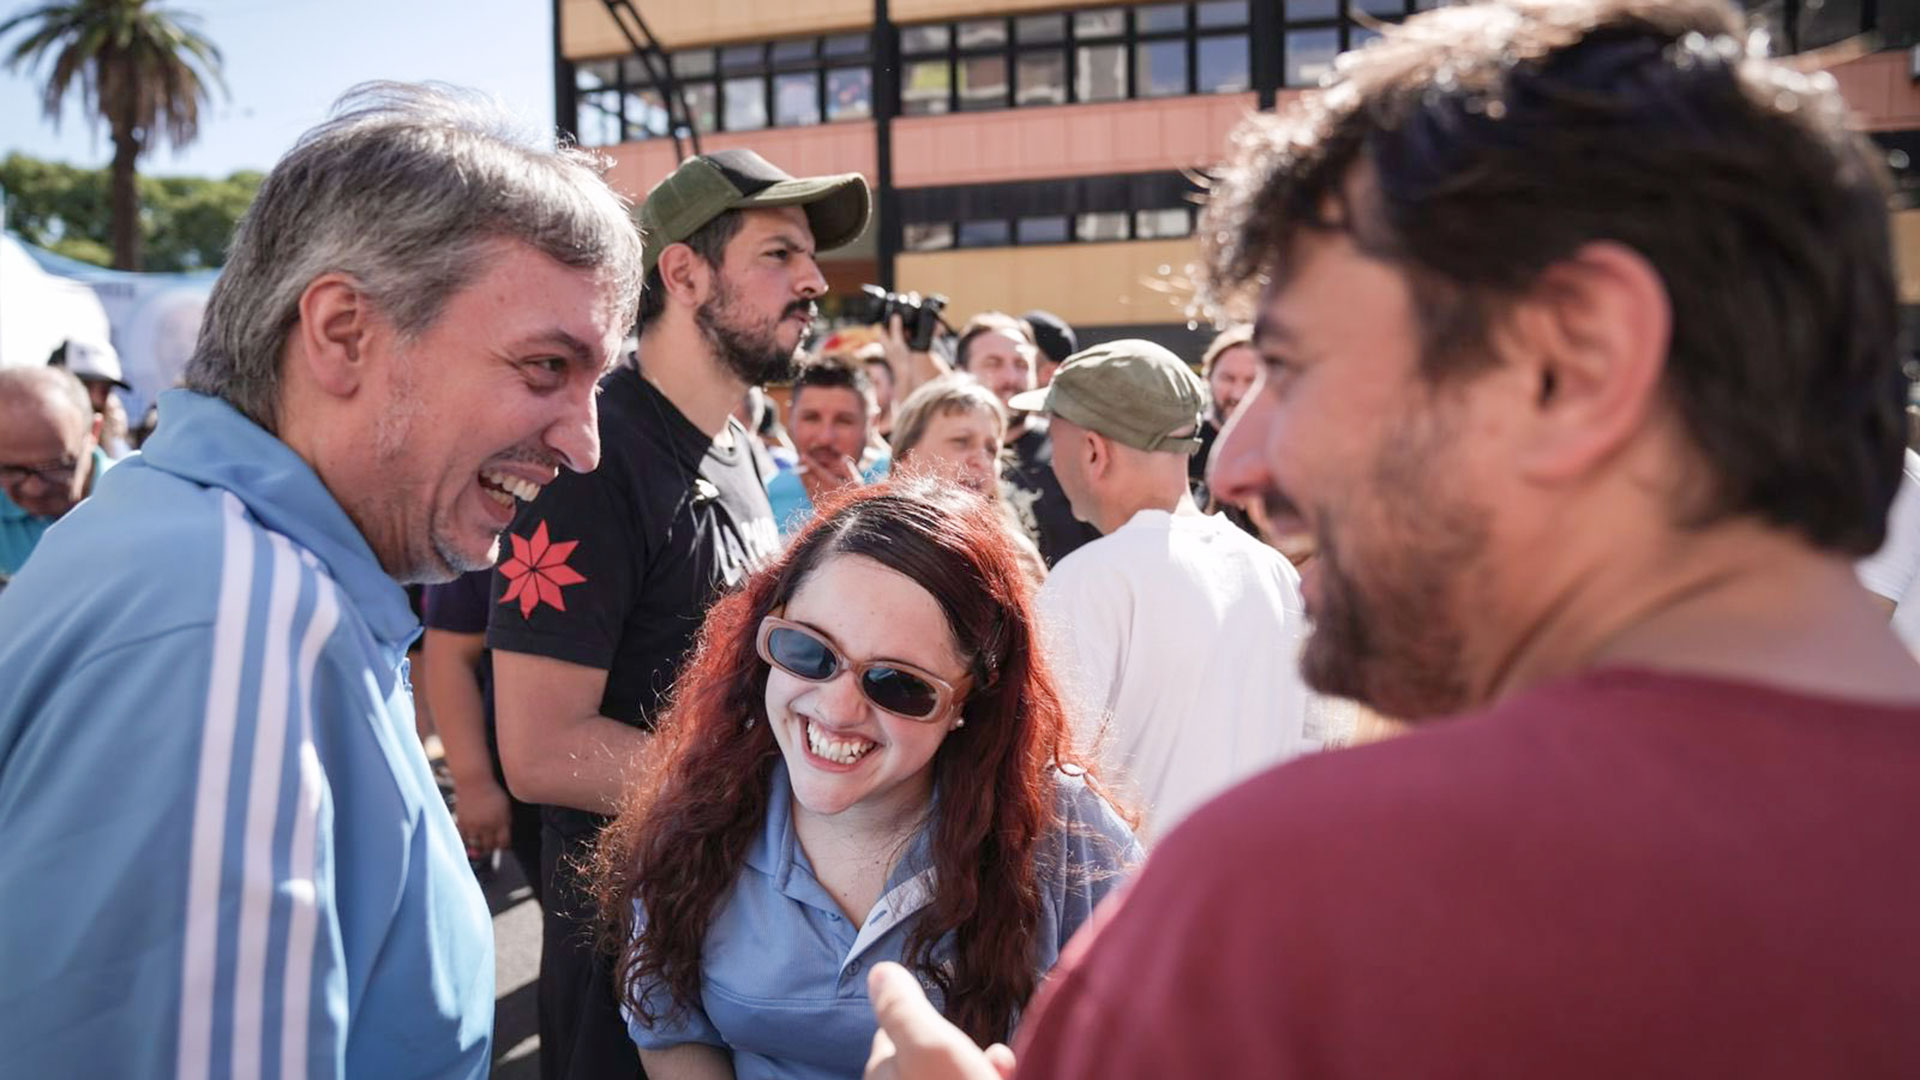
(49, 456)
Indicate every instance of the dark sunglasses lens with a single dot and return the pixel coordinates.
(900, 693)
(800, 653)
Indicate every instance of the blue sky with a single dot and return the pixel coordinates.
(287, 60)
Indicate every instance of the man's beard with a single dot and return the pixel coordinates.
(751, 353)
(1387, 630)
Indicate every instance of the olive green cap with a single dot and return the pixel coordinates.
(1132, 391)
(708, 185)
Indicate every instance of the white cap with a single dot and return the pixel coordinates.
(93, 361)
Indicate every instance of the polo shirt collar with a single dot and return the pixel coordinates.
(776, 852)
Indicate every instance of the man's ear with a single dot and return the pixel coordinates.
(685, 275)
(1099, 453)
(336, 322)
(96, 427)
(1591, 340)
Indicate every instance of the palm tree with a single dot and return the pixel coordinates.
(141, 68)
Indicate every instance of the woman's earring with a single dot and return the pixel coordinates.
(958, 724)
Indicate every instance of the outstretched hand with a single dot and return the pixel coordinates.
(914, 1042)
(911, 369)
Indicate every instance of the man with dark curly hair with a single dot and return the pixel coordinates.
(1578, 321)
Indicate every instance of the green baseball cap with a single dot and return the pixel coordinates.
(708, 185)
(1132, 391)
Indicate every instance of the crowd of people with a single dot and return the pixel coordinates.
(995, 708)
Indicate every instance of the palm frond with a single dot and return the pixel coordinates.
(142, 68)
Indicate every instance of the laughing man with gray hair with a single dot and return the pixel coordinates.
(225, 852)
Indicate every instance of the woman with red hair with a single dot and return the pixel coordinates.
(866, 760)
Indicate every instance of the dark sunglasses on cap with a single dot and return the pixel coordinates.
(901, 689)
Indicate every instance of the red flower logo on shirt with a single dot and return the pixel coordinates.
(537, 570)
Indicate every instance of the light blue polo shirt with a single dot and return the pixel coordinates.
(792, 509)
(20, 531)
(783, 975)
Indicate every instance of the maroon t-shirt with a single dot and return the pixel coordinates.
(1624, 875)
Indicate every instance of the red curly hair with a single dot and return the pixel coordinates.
(682, 836)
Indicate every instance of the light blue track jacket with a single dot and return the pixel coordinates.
(221, 850)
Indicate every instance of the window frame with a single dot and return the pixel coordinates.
(1130, 40)
(711, 73)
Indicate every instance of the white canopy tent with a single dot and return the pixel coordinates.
(39, 310)
(152, 320)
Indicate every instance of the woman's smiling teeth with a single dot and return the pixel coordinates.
(505, 488)
(842, 751)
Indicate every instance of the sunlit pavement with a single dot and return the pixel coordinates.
(516, 943)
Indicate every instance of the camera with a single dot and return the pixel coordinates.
(919, 315)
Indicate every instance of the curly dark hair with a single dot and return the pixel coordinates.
(680, 841)
(1497, 139)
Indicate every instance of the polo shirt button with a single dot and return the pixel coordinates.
(834, 915)
(853, 967)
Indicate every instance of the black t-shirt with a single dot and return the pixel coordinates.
(460, 607)
(1197, 481)
(616, 568)
(1038, 503)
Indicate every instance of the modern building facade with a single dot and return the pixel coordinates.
(1036, 153)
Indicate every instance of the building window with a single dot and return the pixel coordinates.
(1162, 224)
(1314, 32)
(925, 89)
(1158, 18)
(746, 108)
(1040, 78)
(1160, 68)
(1089, 55)
(796, 100)
(991, 232)
(744, 86)
(1222, 65)
(1102, 22)
(1101, 225)
(1040, 29)
(936, 236)
(983, 82)
(1141, 206)
(1103, 73)
(1050, 229)
(1310, 53)
(1220, 13)
(849, 93)
(929, 38)
(703, 105)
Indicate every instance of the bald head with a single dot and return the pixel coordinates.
(55, 390)
(47, 433)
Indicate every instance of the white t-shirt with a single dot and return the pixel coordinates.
(1891, 571)
(1177, 639)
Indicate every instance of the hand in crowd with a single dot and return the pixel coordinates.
(911, 369)
(850, 472)
(914, 1042)
(484, 815)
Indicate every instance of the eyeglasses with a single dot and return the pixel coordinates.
(55, 474)
(901, 689)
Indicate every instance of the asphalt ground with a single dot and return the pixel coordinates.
(516, 946)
